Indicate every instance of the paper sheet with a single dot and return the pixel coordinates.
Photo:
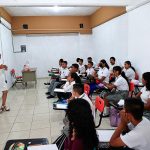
(105, 135)
(59, 90)
(44, 147)
(61, 106)
(121, 102)
(63, 79)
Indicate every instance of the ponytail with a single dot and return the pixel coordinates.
(129, 63)
(124, 76)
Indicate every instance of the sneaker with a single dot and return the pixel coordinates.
(1, 110)
(5, 108)
(51, 96)
(47, 93)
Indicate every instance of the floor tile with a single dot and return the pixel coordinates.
(40, 124)
(21, 127)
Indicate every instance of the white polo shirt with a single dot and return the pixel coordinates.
(139, 137)
(68, 87)
(104, 72)
(121, 84)
(145, 94)
(82, 69)
(90, 71)
(64, 72)
(130, 74)
(111, 67)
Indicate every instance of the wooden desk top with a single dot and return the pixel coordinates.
(30, 70)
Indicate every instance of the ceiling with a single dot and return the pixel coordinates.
(51, 11)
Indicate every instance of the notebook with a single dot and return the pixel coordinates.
(44, 147)
(105, 135)
(60, 106)
(59, 90)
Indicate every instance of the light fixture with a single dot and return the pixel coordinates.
(56, 8)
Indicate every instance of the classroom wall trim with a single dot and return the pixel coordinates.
(5, 15)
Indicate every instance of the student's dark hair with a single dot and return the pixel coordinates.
(77, 60)
(113, 58)
(75, 66)
(90, 62)
(122, 73)
(146, 77)
(135, 107)
(81, 119)
(61, 60)
(79, 88)
(75, 77)
(89, 58)
(65, 62)
(81, 59)
(104, 62)
(129, 63)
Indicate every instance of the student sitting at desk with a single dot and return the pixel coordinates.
(145, 94)
(129, 70)
(90, 70)
(81, 67)
(138, 138)
(101, 76)
(119, 89)
(64, 72)
(89, 59)
(71, 80)
(82, 128)
(78, 92)
(74, 69)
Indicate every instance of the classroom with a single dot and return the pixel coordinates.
(74, 75)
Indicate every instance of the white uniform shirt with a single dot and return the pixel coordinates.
(111, 67)
(90, 71)
(139, 137)
(145, 94)
(104, 72)
(64, 72)
(121, 84)
(85, 97)
(68, 87)
(130, 74)
(82, 69)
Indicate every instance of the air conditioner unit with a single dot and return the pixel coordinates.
(5, 23)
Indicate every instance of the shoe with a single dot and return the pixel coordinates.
(1, 110)
(51, 96)
(5, 108)
(47, 93)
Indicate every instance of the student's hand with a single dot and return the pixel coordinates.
(5, 67)
(124, 118)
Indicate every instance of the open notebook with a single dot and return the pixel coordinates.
(44, 147)
(60, 106)
(105, 135)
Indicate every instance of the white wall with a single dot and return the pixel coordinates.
(7, 51)
(44, 51)
(111, 39)
(139, 38)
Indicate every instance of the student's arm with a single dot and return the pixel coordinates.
(109, 86)
(147, 105)
(116, 140)
(138, 95)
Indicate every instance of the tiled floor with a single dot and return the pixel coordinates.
(31, 115)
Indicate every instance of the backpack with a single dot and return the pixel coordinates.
(114, 117)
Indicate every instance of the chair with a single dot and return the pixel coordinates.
(18, 79)
(131, 88)
(86, 89)
(99, 105)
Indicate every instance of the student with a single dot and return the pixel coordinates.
(138, 137)
(78, 92)
(82, 128)
(112, 64)
(90, 71)
(68, 87)
(75, 68)
(64, 72)
(89, 59)
(77, 60)
(103, 73)
(119, 89)
(145, 94)
(3, 87)
(101, 76)
(81, 67)
(129, 70)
